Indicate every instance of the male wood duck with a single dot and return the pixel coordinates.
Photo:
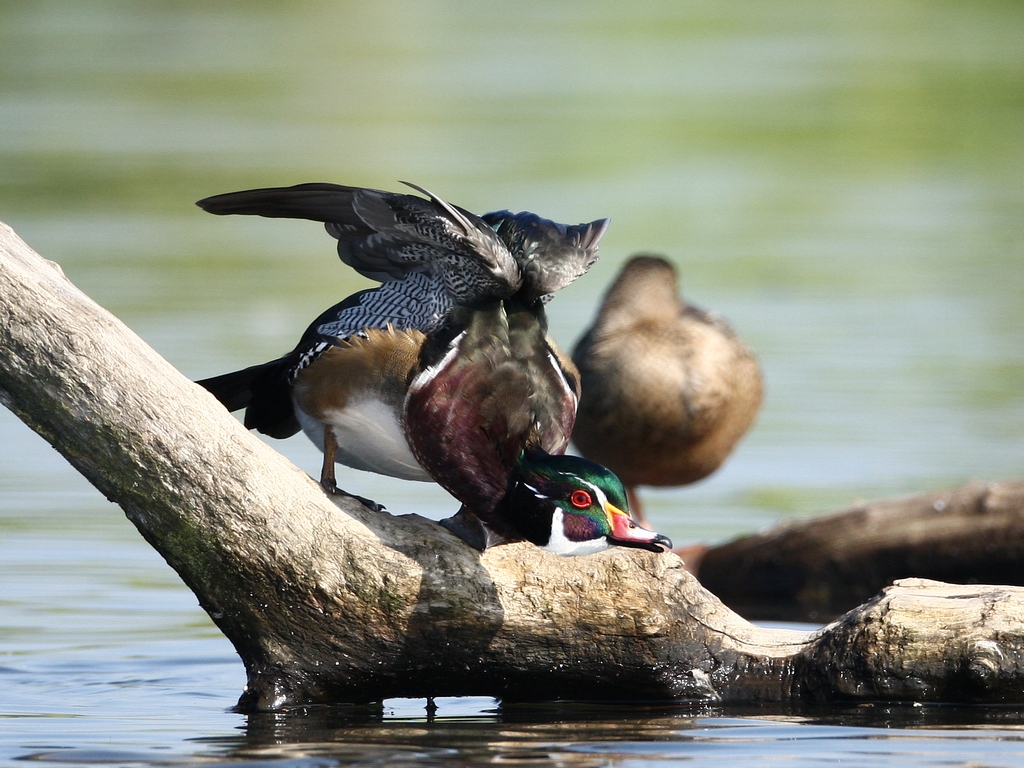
(668, 389)
(445, 371)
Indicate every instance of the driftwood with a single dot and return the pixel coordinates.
(816, 569)
(325, 600)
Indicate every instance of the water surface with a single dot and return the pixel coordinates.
(841, 180)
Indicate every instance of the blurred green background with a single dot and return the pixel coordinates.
(843, 181)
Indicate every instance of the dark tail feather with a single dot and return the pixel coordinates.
(318, 202)
(233, 389)
(263, 391)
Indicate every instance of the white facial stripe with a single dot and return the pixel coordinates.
(535, 492)
(600, 498)
(563, 547)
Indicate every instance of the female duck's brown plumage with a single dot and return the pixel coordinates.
(667, 389)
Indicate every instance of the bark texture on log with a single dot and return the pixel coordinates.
(325, 600)
(816, 569)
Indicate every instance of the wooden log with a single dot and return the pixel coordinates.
(325, 600)
(814, 570)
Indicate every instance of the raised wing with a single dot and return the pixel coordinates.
(387, 236)
(550, 255)
(417, 303)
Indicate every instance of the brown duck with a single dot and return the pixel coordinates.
(667, 389)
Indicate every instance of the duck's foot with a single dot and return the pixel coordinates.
(471, 530)
(327, 479)
(332, 488)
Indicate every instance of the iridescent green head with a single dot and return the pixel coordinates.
(572, 506)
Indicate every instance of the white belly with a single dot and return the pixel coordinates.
(369, 438)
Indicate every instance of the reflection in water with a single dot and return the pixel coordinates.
(476, 731)
(590, 735)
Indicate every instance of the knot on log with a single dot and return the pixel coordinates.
(985, 662)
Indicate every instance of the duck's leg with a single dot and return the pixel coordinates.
(636, 509)
(327, 477)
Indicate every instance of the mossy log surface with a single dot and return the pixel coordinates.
(817, 569)
(326, 601)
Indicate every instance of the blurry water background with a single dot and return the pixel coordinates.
(843, 180)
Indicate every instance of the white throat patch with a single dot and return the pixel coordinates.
(563, 547)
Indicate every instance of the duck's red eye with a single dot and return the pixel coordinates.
(581, 499)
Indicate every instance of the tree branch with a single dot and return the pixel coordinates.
(327, 601)
(818, 568)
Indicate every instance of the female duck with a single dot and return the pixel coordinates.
(668, 389)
